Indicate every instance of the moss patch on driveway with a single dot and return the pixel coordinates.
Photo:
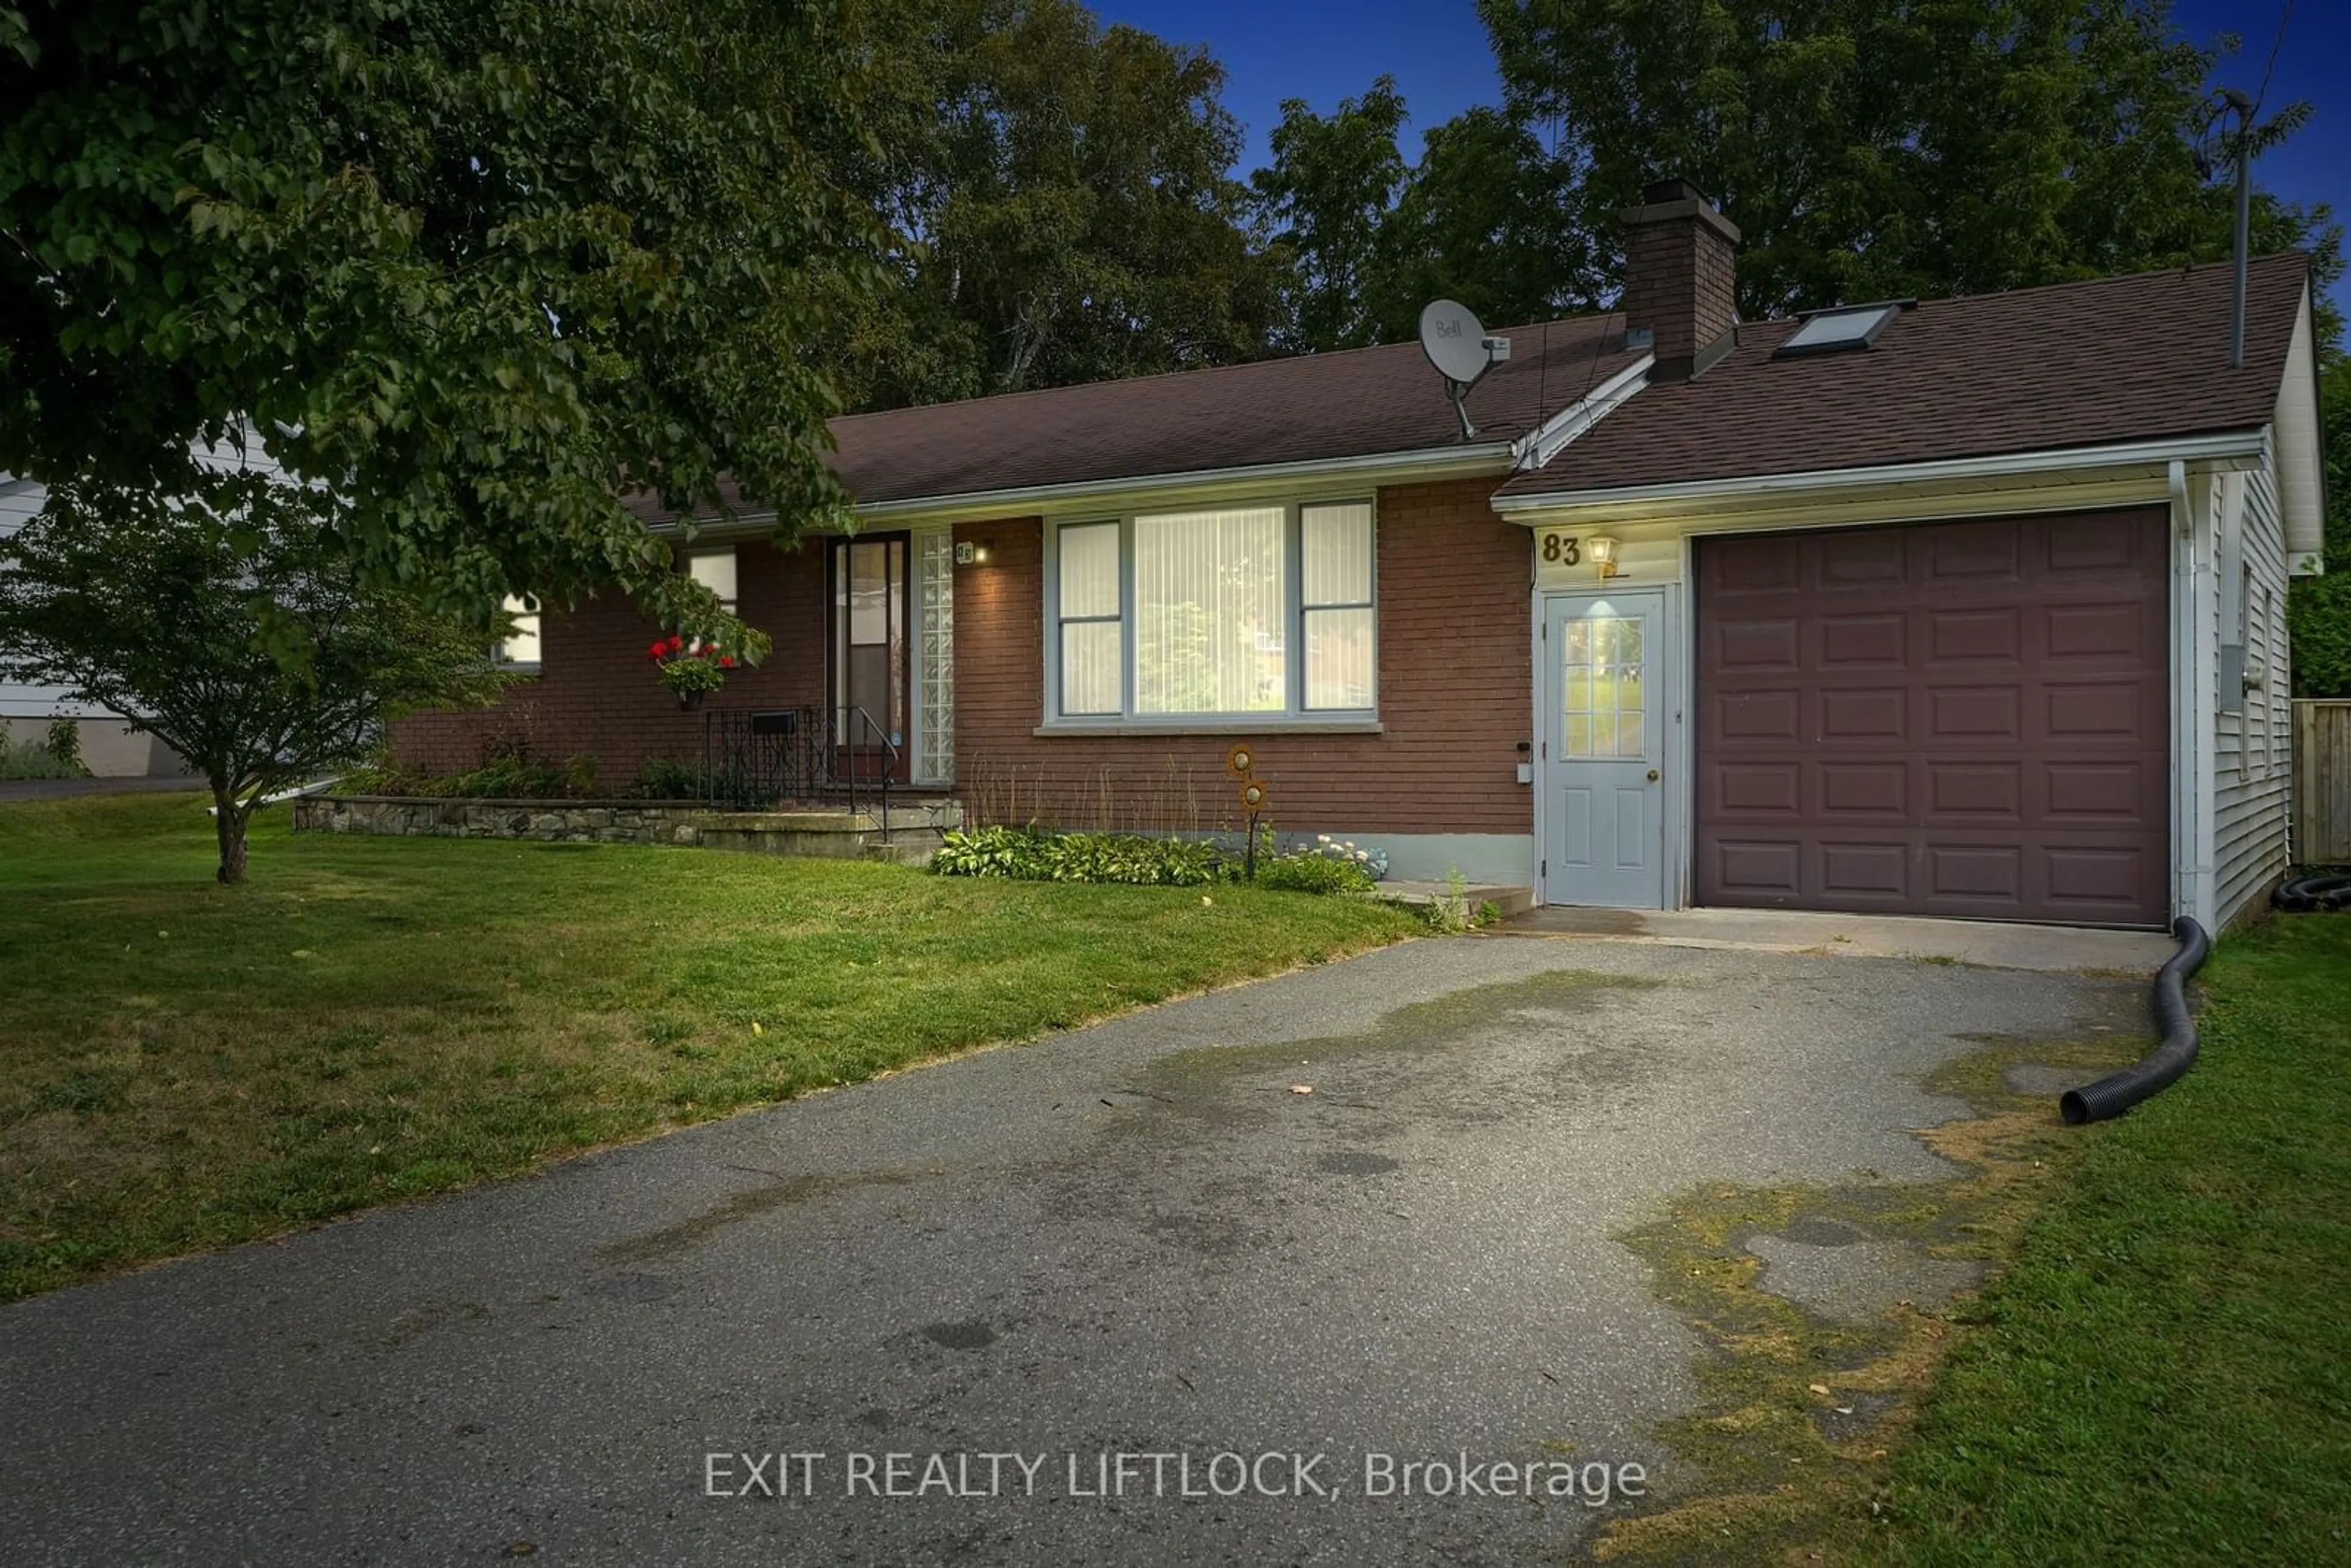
(1800, 1411)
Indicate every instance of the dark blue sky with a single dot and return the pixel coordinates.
(1323, 51)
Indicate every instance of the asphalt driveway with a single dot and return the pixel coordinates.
(1133, 1240)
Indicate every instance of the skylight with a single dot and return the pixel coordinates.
(1840, 330)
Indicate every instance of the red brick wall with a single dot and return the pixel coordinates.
(597, 694)
(1680, 280)
(1455, 696)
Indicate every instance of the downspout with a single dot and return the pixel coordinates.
(2189, 789)
(2117, 1092)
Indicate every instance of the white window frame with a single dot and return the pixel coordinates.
(1294, 714)
(529, 612)
(726, 602)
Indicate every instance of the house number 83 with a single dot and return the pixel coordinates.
(1560, 550)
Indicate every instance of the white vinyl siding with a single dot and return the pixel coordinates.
(20, 502)
(2250, 811)
(1256, 613)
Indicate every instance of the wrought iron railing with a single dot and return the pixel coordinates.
(755, 758)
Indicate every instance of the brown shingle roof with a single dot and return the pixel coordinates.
(1315, 407)
(1357, 402)
(2069, 365)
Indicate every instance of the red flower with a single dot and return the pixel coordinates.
(725, 662)
(676, 642)
(658, 651)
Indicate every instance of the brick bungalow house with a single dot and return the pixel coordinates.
(1969, 607)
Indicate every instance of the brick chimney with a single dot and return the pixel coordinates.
(1680, 281)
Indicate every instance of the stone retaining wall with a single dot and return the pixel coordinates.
(611, 821)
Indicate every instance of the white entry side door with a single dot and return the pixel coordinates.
(1603, 749)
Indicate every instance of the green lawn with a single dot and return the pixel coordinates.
(183, 1065)
(2166, 1373)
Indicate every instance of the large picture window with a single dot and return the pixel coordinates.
(1247, 612)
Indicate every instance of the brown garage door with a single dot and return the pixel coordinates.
(1947, 718)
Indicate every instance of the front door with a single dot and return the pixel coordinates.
(1603, 751)
(869, 615)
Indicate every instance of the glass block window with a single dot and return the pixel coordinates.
(935, 667)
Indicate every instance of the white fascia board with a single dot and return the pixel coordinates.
(2229, 449)
(1421, 467)
(1543, 443)
(2301, 454)
(1402, 468)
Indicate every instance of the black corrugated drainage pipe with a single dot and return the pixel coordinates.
(2114, 1094)
(2304, 893)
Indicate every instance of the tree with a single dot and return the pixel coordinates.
(1479, 219)
(483, 267)
(1873, 150)
(2318, 609)
(1057, 200)
(174, 614)
(1322, 202)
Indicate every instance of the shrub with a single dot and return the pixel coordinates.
(668, 778)
(508, 778)
(1372, 859)
(64, 746)
(508, 775)
(1033, 855)
(1017, 852)
(1132, 859)
(1311, 870)
(32, 760)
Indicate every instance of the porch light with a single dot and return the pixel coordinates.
(1602, 550)
(966, 553)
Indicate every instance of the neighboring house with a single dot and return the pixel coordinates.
(109, 746)
(1973, 606)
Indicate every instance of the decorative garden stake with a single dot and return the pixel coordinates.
(1242, 764)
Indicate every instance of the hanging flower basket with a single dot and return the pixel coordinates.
(691, 674)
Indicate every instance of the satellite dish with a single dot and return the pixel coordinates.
(1461, 352)
(1453, 341)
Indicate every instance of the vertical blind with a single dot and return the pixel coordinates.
(1335, 547)
(1094, 654)
(1209, 589)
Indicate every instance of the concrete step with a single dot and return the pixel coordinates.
(841, 843)
(795, 821)
(823, 835)
(1507, 900)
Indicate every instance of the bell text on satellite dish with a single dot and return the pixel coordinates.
(1453, 341)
